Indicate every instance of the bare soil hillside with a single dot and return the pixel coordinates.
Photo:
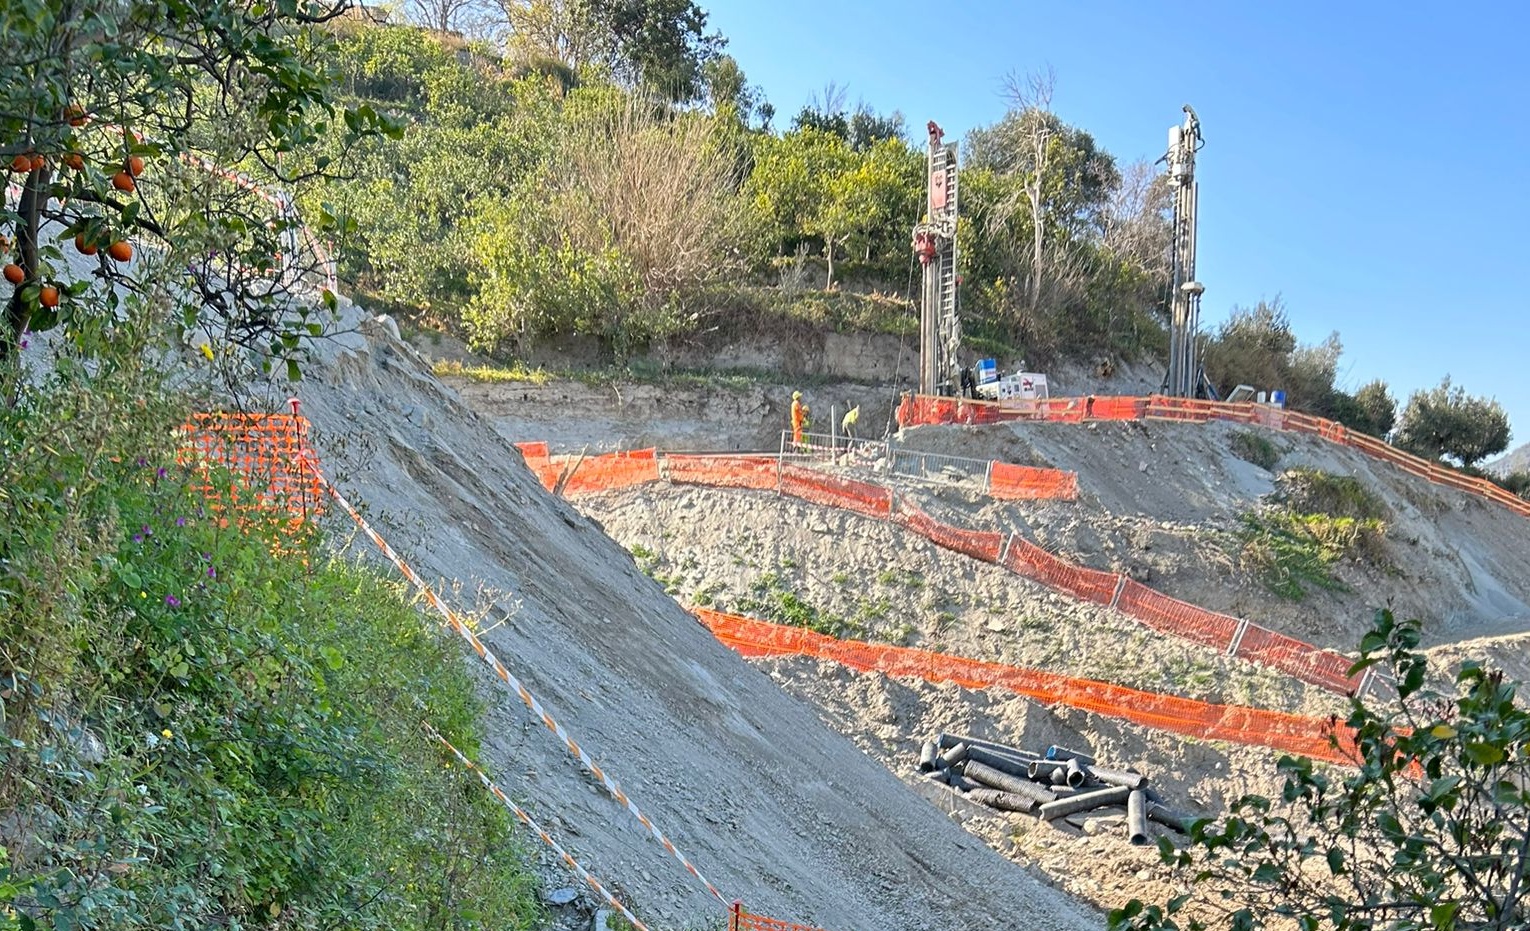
(772, 806)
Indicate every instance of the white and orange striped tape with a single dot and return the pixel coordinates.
(506, 676)
(527, 820)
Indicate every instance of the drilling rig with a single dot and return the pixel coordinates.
(940, 332)
(1184, 376)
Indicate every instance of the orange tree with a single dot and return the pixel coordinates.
(112, 118)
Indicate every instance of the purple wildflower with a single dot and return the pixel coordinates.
(172, 601)
(137, 538)
(212, 572)
(160, 473)
(180, 522)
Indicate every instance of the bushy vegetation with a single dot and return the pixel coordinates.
(1315, 521)
(208, 721)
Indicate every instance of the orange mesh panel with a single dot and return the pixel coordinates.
(1323, 668)
(606, 473)
(832, 491)
(533, 450)
(737, 472)
(1158, 610)
(979, 544)
(1031, 561)
(1027, 483)
(1118, 408)
(744, 921)
(264, 451)
(651, 452)
(1291, 733)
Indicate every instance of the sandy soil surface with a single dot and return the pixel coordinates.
(774, 807)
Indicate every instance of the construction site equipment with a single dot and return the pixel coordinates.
(1184, 374)
(934, 245)
(1010, 779)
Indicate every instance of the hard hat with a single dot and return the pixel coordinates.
(796, 395)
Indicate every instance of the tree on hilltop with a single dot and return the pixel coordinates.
(1446, 421)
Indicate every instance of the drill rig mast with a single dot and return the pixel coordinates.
(940, 333)
(1185, 291)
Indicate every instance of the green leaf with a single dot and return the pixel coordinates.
(1336, 861)
(1483, 753)
(1443, 915)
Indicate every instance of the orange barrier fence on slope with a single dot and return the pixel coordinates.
(923, 410)
(1028, 483)
(740, 920)
(263, 452)
(1233, 636)
(1310, 737)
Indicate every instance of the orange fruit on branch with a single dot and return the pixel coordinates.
(135, 166)
(75, 115)
(14, 274)
(38, 162)
(119, 250)
(48, 296)
(86, 247)
(123, 181)
(74, 160)
(21, 163)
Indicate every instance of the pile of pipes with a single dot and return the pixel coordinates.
(1056, 783)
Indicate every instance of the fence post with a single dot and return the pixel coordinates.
(988, 478)
(1237, 637)
(1366, 678)
(780, 462)
(734, 915)
(1004, 548)
(1115, 596)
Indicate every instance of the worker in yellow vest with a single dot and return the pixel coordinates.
(799, 417)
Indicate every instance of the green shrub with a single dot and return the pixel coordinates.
(1316, 492)
(211, 724)
(1251, 447)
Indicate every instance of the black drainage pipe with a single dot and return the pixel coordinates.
(927, 754)
(954, 755)
(1055, 752)
(1084, 801)
(1174, 820)
(1136, 817)
(1117, 777)
(946, 740)
(1074, 774)
(1041, 770)
(1014, 785)
(1004, 801)
(1006, 764)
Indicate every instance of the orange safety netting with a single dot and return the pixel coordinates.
(980, 545)
(1311, 737)
(1181, 618)
(264, 452)
(1029, 483)
(595, 474)
(917, 410)
(1026, 559)
(757, 472)
(536, 450)
(833, 491)
(1323, 668)
(740, 920)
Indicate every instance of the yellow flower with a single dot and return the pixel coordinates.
(143, 594)
(167, 733)
(207, 351)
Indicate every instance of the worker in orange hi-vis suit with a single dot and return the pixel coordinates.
(799, 417)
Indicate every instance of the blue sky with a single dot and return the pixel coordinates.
(1364, 161)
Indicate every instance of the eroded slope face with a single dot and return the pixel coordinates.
(772, 806)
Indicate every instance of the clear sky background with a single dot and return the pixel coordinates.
(1364, 161)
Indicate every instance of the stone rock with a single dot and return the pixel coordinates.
(562, 896)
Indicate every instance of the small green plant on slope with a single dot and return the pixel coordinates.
(772, 600)
(1259, 450)
(1430, 831)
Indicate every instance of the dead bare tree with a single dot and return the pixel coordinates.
(1134, 226)
(1030, 95)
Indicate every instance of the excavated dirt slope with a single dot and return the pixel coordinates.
(771, 805)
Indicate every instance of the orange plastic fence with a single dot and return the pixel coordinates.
(1028, 483)
(1323, 668)
(979, 544)
(922, 410)
(740, 920)
(833, 491)
(1320, 739)
(263, 451)
(1025, 558)
(1161, 612)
